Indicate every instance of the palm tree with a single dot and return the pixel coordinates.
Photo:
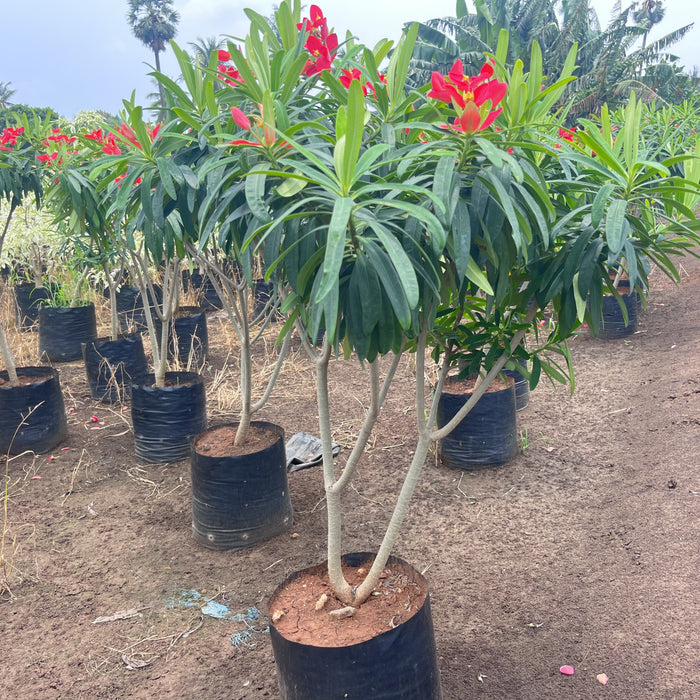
(647, 14)
(154, 22)
(203, 48)
(6, 93)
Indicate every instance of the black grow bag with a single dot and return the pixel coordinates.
(63, 330)
(130, 310)
(112, 366)
(207, 296)
(400, 664)
(189, 336)
(612, 324)
(486, 437)
(28, 300)
(263, 293)
(240, 501)
(22, 428)
(522, 387)
(166, 419)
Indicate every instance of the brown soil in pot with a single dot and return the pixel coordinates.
(468, 385)
(26, 381)
(219, 442)
(302, 610)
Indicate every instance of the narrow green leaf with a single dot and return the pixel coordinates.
(475, 274)
(255, 193)
(601, 199)
(401, 262)
(614, 226)
(335, 246)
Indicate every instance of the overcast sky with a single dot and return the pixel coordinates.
(80, 54)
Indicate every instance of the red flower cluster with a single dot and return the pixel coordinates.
(47, 157)
(347, 76)
(227, 73)
(58, 137)
(124, 133)
(109, 142)
(9, 135)
(474, 98)
(320, 44)
(119, 178)
(127, 133)
(566, 135)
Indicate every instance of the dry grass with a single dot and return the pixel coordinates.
(17, 540)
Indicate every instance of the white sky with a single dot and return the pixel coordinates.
(80, 54)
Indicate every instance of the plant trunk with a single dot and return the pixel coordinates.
(246, 368)
(7, 356)
(113, 314)
(5, 349)
(161, 90)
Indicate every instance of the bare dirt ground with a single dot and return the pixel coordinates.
(582, 551)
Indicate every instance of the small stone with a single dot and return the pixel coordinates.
(277, 615)
(294, 535)
(602, 678)
(320, 603)
(206, 447)
(347, 611)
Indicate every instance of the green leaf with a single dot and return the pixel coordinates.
(402, 263)
(392, 286)
(615, 226)
(166, 177)
(580, 301)
(443, 187)
(601, 199)
(335, 246)
(291, 186)
(476, 275)
(461, 238)
(353, 135)
(255, 193)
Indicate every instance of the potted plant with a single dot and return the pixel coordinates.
(32, 413)
(67, 317)
(112, 361)
(628, 189)
(240, 494)
(382, 193)
(30, 242)
(168, 408)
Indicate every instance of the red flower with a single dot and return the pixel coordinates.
(240, 118)
(9, 137)
(224, 56)
(128, 133)
(46, 157)
(473, 98)
(320, 43)
(60, 138)
(229, 75)
(110, 147)
(95, 136)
